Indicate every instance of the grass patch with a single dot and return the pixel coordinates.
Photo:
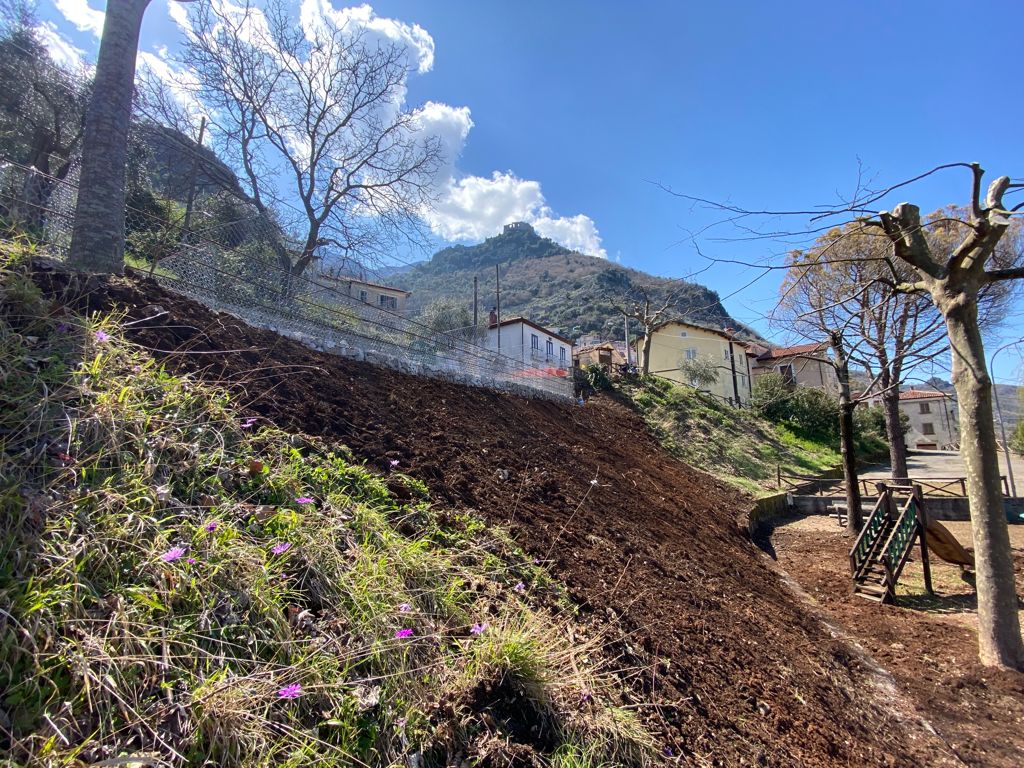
(185, 585)
(735, 445)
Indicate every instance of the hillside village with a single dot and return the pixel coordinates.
(319, 446)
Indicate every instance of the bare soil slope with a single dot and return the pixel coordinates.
(741, 672)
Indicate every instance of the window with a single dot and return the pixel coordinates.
(363, 296)
(928, 428)
(682, 334)
(534, 341)
(926, 407)
(725, 354)
(691, 353)
(561, 354)
(388, 302)
(550, 348)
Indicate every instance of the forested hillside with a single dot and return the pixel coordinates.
(549, 284)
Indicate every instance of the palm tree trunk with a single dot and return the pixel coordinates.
(97, 241)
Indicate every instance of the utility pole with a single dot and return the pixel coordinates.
(497, 291)
(625, 323)
(999, 416)
(474, 304)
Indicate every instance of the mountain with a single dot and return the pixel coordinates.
(549, 284)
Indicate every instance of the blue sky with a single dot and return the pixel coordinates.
(584, 108)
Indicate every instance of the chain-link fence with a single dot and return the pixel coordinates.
(227, 258)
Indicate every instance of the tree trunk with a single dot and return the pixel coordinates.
(97, 241)
(646, 368)
(999, 638)
(854, 513)
(894, 434)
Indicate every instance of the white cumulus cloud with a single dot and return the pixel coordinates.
(474, 208)
(79, 13)
(59, 47)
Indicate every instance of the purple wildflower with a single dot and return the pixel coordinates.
(393, 463)
(246, 423)
(280, 549)
(404, 608)
(62, 328)
(303, 500)
(477, 629)
(401, 722)
(102, 336)
(292, 691)
(519, 587)
(191, 561)
(210, 527)
(172, 554)
(403, 633)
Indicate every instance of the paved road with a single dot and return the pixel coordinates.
(946, 464)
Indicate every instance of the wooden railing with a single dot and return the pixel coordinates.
(864, 547)
(895, 552)
(808, 485)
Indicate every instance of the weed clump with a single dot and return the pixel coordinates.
(181, 584)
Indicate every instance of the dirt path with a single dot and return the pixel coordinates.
(928, 644)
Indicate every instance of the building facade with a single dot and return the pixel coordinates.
(380, 296)
(796, 369)
(933, 419)
(676, 341)
(532, 344)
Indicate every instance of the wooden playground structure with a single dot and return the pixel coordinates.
(898, 520)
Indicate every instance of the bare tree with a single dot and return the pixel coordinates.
(648, 305)
(842, 283)
(311, 119)
(955, 279)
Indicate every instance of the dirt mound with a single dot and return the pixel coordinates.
(739, 672)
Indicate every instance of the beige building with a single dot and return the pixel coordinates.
(380, 296)
(932, 419)
(795, 369)
(676, 341)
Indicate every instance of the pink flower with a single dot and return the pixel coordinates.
(404, 608)
(477, 629)
(393, 463)
(191, 561)
(246, 423)
(403, 633)
(210, 527)
(303, 500)
(102, 336)
(280, 549)
(292, 691)
(172, 554)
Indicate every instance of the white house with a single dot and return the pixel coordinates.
(932, 416)
(532, 344)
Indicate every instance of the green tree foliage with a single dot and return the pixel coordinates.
(701, 372)
(450, 317)
(42, 109)
(814, 414)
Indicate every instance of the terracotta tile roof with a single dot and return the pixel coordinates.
(802, 349)
(923, 394)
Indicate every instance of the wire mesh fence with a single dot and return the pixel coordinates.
(226, 260)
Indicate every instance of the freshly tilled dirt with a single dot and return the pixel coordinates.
(724, 663)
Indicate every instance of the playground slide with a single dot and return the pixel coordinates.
(944, 544)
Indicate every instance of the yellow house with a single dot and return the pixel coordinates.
(675, 341)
